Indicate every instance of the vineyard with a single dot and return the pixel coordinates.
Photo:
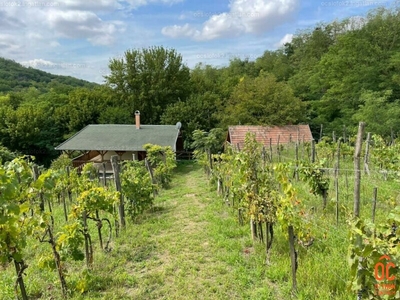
(249, 223)
(49, 217)
(342, 238)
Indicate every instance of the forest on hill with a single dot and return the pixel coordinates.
(15, 77)
(334, 74)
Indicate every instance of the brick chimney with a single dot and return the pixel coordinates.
(137, 119)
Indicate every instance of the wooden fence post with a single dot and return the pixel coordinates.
(313, 151)
(337, 182)
(357, 183)
(263, 155)
(293, 258)
(116, 169)
(366, 157)
(374, 204)
(104, 174)
(36, 175)
(297, 161)
(277, 148)
(153, 180)
(357, 172)
(270, 150)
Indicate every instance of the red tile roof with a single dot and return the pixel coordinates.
(237, 134)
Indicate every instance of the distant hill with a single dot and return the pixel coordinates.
(15, 77)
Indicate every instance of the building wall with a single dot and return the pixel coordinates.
(126, 156)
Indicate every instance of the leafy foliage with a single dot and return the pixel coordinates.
(136, 187)
(162, 160)
(149, 80)
(262, 100)
(371, 246)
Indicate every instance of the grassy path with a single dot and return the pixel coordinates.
(188, 248)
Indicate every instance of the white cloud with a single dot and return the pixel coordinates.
(38, 63)
(94, 5)
(179, 31)
(46, 64)
(54, 44)
(138, 3)
(77, 24)
(244, 16)
(10, 46)
(286, 39)
(9, 22)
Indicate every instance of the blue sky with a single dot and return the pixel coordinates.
(79, 37)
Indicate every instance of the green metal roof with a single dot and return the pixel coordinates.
(121, 137)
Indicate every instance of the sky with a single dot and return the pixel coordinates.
(79, 37)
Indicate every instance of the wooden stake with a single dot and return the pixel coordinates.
(357, 183)
(297, 162)
(313, 151)
(104, 174)
(36, 174)
(337, 183)
(293, 259)
(357, 179)
(277, 148)
(366, 157)
(270, 149)
(153, 180)
(374, 204)
(115, 166)
(264, 156)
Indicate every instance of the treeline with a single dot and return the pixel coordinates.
(335, 74)
(15, 77)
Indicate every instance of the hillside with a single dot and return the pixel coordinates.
(15, 77)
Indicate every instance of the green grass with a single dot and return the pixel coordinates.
(190, 246)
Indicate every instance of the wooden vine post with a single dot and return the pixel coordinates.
(357, 183)
(278, 150)
(150, 170)
(69, 184)
(270, 150)
(36, 174)
(366, 157)
(313, 151)
(337, 182)
(374, 204)
(292, 257)
(210, 161)
(115, 166)
(296, 174)
(357, 172)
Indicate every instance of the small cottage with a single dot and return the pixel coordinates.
(97, 143)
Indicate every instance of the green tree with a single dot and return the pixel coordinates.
(275, 62)
(200, 111)
(149, 80)
(262, 100)
(380, 114)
